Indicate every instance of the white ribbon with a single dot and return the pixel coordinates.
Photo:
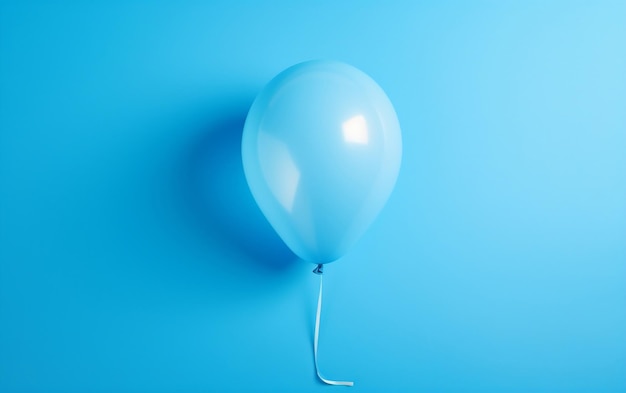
(319, 270)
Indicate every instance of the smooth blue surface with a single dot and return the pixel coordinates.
(321, 150)
(133, 257)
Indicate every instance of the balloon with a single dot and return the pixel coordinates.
(321, 151)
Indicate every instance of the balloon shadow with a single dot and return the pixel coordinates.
(218, 199)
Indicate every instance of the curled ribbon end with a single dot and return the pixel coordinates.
(336, 383)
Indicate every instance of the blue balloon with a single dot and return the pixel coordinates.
(321, 152)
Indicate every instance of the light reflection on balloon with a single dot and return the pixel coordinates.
(355, 130)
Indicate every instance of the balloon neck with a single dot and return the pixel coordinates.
(319, 269)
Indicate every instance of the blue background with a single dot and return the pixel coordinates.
(133, 258)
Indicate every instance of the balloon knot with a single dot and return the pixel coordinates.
(319, 269)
